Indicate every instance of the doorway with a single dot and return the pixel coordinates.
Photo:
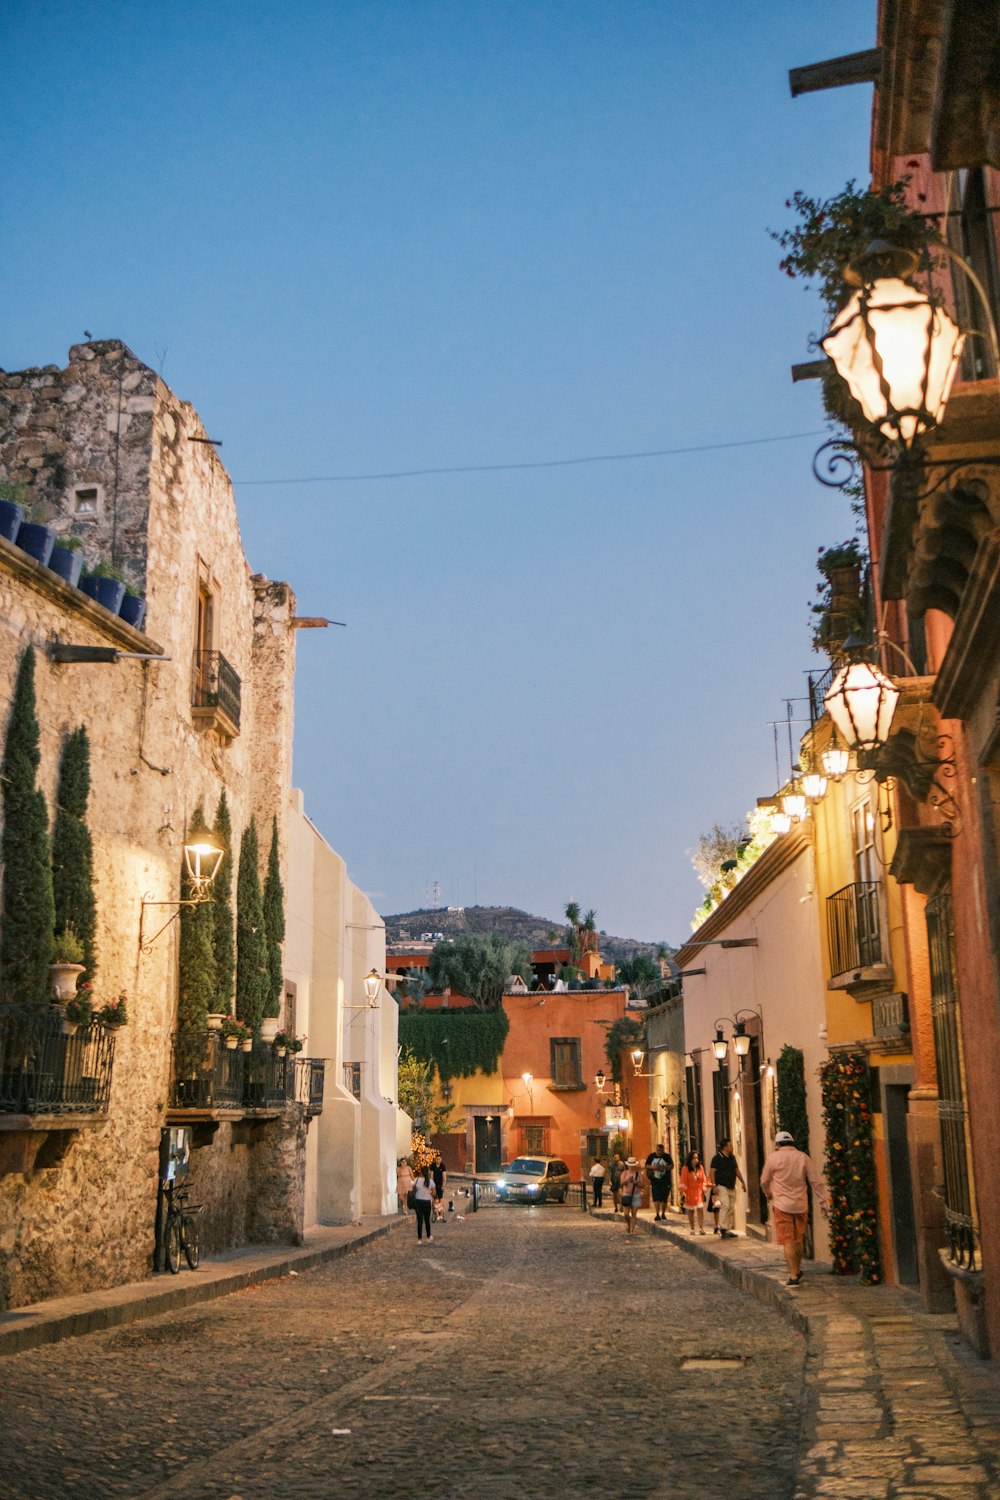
(487, 1143)
(904, 1230)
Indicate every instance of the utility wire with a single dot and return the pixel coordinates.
(549, 463)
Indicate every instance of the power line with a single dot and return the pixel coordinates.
(548, 463)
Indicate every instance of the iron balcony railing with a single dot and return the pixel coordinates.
(853, 926)
(215, 685)
(208, 1075)
(46, 1071)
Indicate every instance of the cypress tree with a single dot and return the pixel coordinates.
(223, 938)
(28, 918)
(196, 961)
(251, 940)
(73, 851)
(274, 926)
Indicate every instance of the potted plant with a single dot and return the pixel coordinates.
(67, 558)
(11, 508)
(114, 1013)
(133, 607)
(234, 1033)
(840, 607)
(104, 583)
(216, 1019)
(79, 1012)
(67, 964)
(35, 536)
(287, 1041)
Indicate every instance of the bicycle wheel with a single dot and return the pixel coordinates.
(173, 1243)
(191, 1243)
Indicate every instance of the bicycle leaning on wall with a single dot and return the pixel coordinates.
(181, 1230)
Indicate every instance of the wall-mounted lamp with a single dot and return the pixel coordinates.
(372, 982)
(600, 1080)
(741, 1038)
(638, 1057)
(203, 855)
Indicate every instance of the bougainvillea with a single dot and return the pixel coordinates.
(850, 1167)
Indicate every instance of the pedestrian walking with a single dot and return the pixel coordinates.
(597, 1175)
(660, 1174)
(423, 1190)
(631, 1193)
(723, 1174)
(617, 1167)
(440, 1176)
(693, 1188)
(404, 1182)
(786, 1178)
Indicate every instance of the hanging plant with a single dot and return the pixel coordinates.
(28, 916)
(850, 1167)
(457, 1043)
(73, 851)
(622, 1035)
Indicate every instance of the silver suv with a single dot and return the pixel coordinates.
(533, 1179)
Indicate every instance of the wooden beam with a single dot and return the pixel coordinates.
(837, 72)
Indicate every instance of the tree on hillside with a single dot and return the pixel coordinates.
(478, 967)
(639, 973)
(28, 904)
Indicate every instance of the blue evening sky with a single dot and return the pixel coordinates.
(410, 234)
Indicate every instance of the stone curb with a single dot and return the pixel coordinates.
(758, 1283)
(49, 1322)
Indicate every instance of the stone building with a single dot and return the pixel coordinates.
(200, 699)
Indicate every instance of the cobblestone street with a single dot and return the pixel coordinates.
(523, 1353)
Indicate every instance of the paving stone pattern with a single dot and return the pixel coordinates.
(525, 1352)
(897, 1405)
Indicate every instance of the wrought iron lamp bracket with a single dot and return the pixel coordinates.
(146, 943)
(926, 776)
(836, 464)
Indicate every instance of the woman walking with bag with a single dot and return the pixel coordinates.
(631, 1193)
(423, 1197)
(693, 1188)
(404, 1182)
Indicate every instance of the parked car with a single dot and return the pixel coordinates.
(533, 1179)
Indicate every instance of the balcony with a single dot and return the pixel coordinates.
(216, 1081)
(854, 934)
(48, 1079)
(215, 693)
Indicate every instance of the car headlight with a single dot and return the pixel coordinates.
(501, 1183)
(532, 1187)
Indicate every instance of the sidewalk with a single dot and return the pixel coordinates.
(87, 1312)
(896, 1402)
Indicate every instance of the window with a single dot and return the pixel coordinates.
(959, 1185)
(977, 243)
(534, 1139)
(215, 685)
(565, 1062)
(86, 500)
(352, 1078)
(720, 1101)
(597, 1145)
(692, 1077)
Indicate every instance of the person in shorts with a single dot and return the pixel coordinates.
(660, 1175)
(631, 1193)
(785, 1180)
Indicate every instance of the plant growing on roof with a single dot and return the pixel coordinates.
(622, 1035)
(251, 938)
(458, 1043)
(196, 961)
(274, 926)
(223, 939)
(73, 850)
(28, 910)
(478, 967)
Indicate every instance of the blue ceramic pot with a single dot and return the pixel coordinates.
(37, 541)
(68, 563)
(107, 591)
(11, 516)
(133, 610)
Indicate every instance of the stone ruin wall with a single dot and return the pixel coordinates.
(79, 1213)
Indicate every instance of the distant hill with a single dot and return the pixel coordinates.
(518, 926)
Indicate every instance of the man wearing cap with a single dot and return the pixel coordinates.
(785, 1180)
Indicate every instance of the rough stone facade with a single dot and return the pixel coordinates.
(77, 1207)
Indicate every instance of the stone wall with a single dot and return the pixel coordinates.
(78, 1211)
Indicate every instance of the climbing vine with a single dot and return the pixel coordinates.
(457, 1043)
(850, 1166)
(623, 1034)
(792, 1114)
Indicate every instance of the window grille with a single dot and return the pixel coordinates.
(959, 1190)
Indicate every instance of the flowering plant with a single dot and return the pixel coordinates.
(232, 1027)
(80, 1009)
(114, 1012)
(850, 1166)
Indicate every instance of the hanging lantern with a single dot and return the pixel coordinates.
(741, 1040)
(202, 857)
(720, 1046)
(897, 349)
(814, 786)
(861, 702)
(835, 761)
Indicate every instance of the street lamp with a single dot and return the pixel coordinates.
(741, 1037)
(372, 982)
(861, 702)
(528, 1079)
(897, 348)
(835, 761)
(203, 854)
